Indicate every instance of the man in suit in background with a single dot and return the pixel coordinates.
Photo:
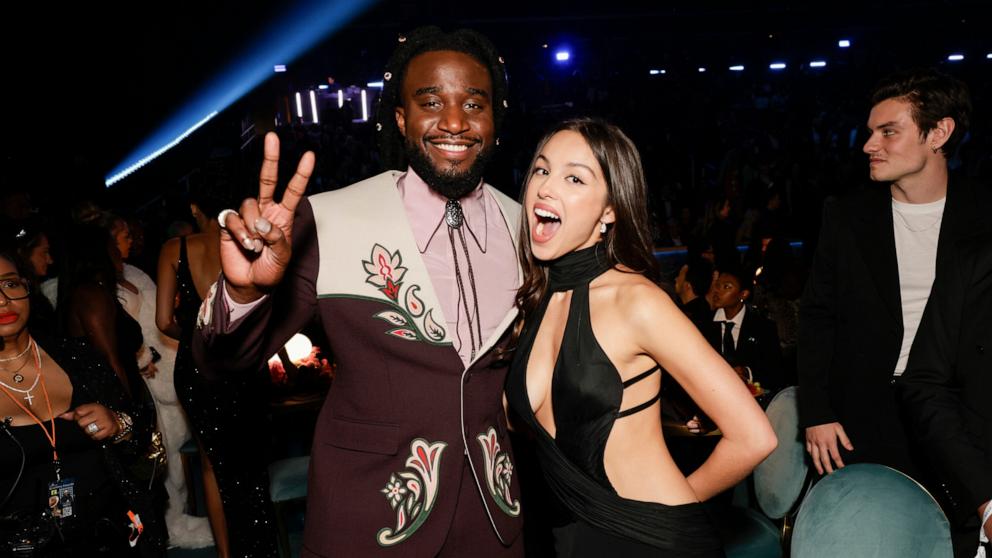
(746, 339)
(878, 254)
(947, 386)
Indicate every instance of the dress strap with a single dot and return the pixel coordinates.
(639, 408)
(640, 376)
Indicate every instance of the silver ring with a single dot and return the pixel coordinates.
(222, 217)
(92, 428)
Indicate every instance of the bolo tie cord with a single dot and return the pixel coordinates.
(454, 218)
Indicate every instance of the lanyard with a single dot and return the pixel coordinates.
(48, 402)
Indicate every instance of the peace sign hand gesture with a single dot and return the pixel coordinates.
(255, 243)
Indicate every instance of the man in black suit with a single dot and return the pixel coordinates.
(947, 387)
(878, 254)
(747, 340)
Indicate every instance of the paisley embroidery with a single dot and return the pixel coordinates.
(499, 472)
(385, 272)
(413, 493)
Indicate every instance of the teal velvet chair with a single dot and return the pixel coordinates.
(870, 511)
(779, 480)
(287, 482)
(748, 534)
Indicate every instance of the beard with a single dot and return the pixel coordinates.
(451, 184)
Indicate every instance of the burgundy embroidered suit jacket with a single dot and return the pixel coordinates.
(404, 413)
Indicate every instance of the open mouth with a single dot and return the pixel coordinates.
(546, 224)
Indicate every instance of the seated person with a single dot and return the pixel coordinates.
(691, 285)
(748, 341)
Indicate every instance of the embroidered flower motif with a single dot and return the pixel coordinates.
(385, 271)
(394, 491)
(413, 493)
(499, 472)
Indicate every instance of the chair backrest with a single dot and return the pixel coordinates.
(870, 511)
(779, 479)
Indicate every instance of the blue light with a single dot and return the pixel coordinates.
(562, 56)
(777, 66)
(955, 57)
(817, 64)
(148, 158)
(376, 84)
(656, 72)
(285, 39)
(737, 68)
(322, 86)
(844, 43)
(279, 68)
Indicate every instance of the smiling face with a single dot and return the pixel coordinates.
(896, 149)
(447, 120)
(567, 197)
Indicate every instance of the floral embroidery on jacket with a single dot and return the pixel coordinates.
(385, 272)
(499, 472)
(413, 493)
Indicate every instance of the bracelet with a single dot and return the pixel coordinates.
(125, 424)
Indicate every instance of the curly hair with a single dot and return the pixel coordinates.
(432, 39)
(934, 96)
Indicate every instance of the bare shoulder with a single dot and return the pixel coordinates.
(633, 295)
(170, 250)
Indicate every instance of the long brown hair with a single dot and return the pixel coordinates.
(628, 239)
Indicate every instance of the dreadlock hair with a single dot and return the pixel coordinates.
(419, 41)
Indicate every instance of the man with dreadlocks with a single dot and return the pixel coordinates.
(413, 274)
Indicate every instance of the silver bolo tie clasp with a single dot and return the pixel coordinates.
(453, 214)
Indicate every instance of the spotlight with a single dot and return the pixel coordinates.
(737, 68)
(279, 68)
(299, 105)
(702, 69)
(365, 108)
(562, 56)
(988, 56)
(656, 72)
(322, 86)
(340, 98)
(955, 57)
(313, 105)
(817, 64)
(375, 84)
(844, 43)
(777, 66)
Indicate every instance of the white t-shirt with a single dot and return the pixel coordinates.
(917, 229)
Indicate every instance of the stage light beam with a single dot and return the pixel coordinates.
(844, 43)
(563, 56)
(955, 57)
(299, 105)
(777, 66)
(737, 68)
(817, 64)
(313, 105)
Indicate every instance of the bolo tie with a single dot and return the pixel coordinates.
(454, 218)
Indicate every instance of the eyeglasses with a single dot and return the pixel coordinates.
(14, 289)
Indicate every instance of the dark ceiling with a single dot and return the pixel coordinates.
(87, 81)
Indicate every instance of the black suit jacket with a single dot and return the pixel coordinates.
(758, 348)
(851, 330)
(947, 387)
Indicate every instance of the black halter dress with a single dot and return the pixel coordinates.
(587, 392)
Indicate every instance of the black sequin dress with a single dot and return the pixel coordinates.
(228, 419)
(105, 487)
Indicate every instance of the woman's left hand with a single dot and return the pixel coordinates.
(97, 421)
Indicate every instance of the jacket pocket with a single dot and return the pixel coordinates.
(370, 437)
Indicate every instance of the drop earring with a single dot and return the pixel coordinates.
(602, 227)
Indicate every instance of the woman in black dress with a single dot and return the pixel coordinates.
(595, 334)
(58, 398)
(226, 415)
